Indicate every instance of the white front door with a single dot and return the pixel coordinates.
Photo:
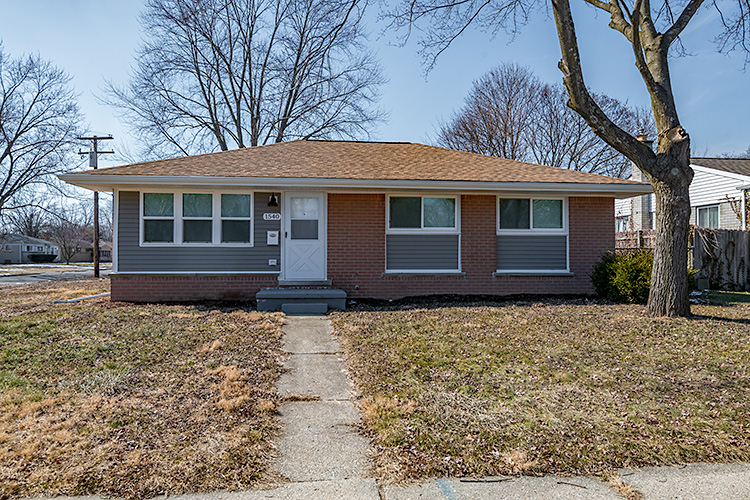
(304, 236)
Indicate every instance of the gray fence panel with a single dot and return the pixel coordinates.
(721, 256)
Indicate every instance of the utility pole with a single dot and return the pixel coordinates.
(94, 163)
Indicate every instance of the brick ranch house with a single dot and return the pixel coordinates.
(375, 219)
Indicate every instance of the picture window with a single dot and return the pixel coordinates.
(422, 213)
(530, 214)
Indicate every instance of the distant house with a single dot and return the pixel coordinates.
(373, 219)
(85, 252)
(20, 249)
(718, 197)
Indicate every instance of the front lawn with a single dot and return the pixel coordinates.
(132, 400)
(566, 387)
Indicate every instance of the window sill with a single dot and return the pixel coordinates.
(417, 231)
(407, 274)
(532, 273)
(199, 245)
(532, 232)
(195, 273)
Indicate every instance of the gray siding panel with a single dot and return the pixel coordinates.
(421, 252)
(532, 253)
(178, 258)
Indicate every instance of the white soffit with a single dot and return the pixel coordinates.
(103, 182)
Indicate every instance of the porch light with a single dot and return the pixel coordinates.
(273, 201)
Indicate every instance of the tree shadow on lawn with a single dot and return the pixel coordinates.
(704, 317)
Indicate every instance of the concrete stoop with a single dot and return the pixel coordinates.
(301, 299)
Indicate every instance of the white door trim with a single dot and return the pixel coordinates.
(286, 233)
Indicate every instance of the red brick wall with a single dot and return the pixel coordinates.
(356, 258)
(187, 287)
(356, 255)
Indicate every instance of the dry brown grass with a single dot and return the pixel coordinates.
(132, 401)
(555, 387)
(28, 299)
(625, 490)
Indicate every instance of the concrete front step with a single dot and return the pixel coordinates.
(304, 283)
(301, 300)
(305, 308)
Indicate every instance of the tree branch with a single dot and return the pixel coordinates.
(640, 59)
(682, 21)
(580, 98)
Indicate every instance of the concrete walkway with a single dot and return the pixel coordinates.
(320, 441)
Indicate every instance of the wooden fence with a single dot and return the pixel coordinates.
(722, 256)
(634, 240)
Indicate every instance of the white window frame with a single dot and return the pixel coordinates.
(622, 223)
(532, 231)
(183, 219)
(221, 219)
(28, 248)
(141, 218)
(422, 229)
(708, 207)
(178, 218)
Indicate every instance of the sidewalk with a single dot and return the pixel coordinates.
(691, 482)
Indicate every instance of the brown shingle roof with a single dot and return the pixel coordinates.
(733, 165)
(358, 160)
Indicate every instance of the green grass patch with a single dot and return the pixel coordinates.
(728, 298)
(564, 387)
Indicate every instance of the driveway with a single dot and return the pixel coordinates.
(25, 274)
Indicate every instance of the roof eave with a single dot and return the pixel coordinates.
(103, 182)
(722, 173)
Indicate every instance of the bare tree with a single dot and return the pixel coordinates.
(26, 220)
(70, 229)
(497, 115)
(33, 209)
(512, 114)
(220, 74)
(39, 120)
(653, 35)
(106, 218)
(737, 156)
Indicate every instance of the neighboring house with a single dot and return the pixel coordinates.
(381, 220)
(717, 197)
(20, 249)
(86, 252)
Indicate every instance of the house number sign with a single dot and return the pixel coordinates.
(271, 216)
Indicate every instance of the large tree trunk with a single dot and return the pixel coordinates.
(669, 280)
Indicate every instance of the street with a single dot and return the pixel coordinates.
(25, 274)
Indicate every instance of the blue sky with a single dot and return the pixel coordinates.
(94, 41)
